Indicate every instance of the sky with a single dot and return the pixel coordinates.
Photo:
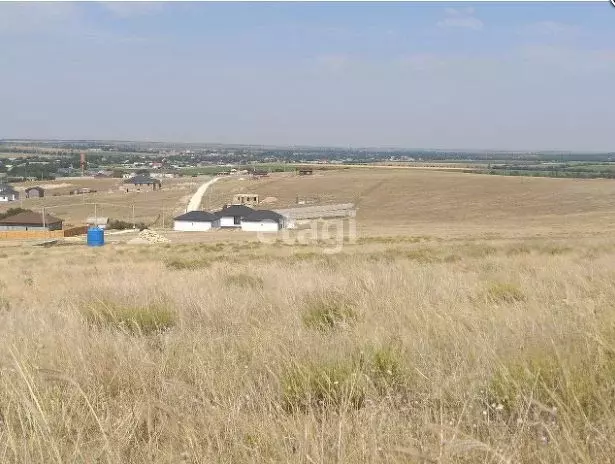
(507, 76)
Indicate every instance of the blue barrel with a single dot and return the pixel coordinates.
(96, 237)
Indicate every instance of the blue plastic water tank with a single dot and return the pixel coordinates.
(96, 236)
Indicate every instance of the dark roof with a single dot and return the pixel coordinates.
(197, 216)
(234, 210)
(7, 188)
(263, 215)
(140, 180)
(29, 218)
(40, 189)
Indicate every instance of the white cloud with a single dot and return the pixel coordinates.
(125, 10)
(462, 18)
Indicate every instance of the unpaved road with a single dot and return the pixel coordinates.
(195, 202)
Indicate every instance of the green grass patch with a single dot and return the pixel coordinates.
(145, 320)
(504, 292)
(338, 386)
(329, 310)
(577, 382)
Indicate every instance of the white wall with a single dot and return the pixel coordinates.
(8, 198)
(263, 226)
(191, 226)
(228, 222)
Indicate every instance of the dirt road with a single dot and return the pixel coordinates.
(195, 202)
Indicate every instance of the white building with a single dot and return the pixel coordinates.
(195, 221)
(231, 216)
(262, 221)
(8, 193)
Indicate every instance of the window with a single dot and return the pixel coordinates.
(236, 220)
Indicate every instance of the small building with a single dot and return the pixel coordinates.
(262, 221)
(305, 171)
(245, 199)
(30, 221)
(231, 216)
(100, 222)
(140, 182)
(8, 193)
(259, 174)
(194, 221)
(35, 192)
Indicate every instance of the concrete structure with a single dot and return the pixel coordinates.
(30, 221)
(245, 199)
(139, 183)
(262, 221)
(230, 216)
(35, 192)
(196, 221)
(100, 222)
(8, 193)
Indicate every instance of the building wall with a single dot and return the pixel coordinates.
(228, 222)
(57, 226)
(262, 226)
(187, 226)
(34, 193)
(139, 187)
(6, 198)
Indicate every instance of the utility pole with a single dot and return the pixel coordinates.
(134, 225)
(43, 217)
(95, 215)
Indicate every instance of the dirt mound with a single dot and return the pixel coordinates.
(149, 236)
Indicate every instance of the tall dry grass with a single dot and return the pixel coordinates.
(388, 352)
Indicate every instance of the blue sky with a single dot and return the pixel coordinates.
(418, 75)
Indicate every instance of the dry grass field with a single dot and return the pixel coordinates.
(392, 351)
(472, 321)
(111, 202)
(401, 202)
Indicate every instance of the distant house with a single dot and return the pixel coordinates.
(196, 221)
(245, 199)
(258, 174)
(140, 182)
(30, 221)
(230, 216)
(35, 192)
(8, 193)
(305, 171)
(262, 221)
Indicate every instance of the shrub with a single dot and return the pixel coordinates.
(500, 292)
(328, 310)
(118, 224)
(144, 320)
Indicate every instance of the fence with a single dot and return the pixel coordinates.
(42, 234)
